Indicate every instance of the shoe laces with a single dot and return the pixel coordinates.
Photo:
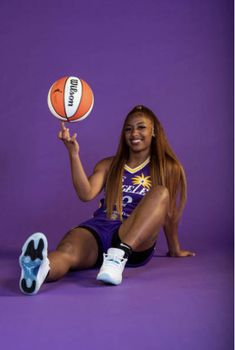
(113, 260)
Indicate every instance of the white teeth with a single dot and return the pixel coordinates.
(135, 141)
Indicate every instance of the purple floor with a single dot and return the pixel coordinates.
(168, 304)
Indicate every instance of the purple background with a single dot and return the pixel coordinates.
(176, 57)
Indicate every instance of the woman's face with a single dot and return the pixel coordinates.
(138, 132)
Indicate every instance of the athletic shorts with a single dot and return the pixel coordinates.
(106, 234)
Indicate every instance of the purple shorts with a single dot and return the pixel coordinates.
(105, 232)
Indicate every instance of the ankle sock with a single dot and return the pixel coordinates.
(125, 247)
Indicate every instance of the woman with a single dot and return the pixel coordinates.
(145, 189)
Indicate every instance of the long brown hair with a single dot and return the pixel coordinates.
(165, 169)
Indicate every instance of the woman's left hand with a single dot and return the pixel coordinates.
(180, 254)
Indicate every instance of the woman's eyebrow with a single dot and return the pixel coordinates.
(143, 122)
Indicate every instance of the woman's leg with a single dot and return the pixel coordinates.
(140, 230)
(77, 250)
(137, 233)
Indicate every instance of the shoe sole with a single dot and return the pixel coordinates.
(34, 251)
(106, 278)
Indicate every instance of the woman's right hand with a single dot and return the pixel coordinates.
(70, 142)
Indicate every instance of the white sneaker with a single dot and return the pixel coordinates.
(34, 263)
(112, 267)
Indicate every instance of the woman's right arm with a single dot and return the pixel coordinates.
(86, 188)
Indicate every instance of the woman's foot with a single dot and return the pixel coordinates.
(112, 267)
(34, 263)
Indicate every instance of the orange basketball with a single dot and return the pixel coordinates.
(70, 99)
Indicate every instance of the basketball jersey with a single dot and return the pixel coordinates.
(135, 184)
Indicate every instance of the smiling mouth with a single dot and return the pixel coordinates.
(135, 142)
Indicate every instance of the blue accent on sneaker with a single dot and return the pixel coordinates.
(30, 268)
(34, 263)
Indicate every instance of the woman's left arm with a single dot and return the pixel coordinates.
(171, 233)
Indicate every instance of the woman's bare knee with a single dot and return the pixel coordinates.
(162, 191)
(80, 247)
(68, 248)
(160, 194)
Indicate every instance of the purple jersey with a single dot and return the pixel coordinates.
(135, 184)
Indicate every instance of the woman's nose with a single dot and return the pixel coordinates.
(134, 132)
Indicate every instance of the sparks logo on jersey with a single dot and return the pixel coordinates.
(142, 180)
(135, 184)
(140, 185)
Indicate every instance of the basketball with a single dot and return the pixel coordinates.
(70, 99)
